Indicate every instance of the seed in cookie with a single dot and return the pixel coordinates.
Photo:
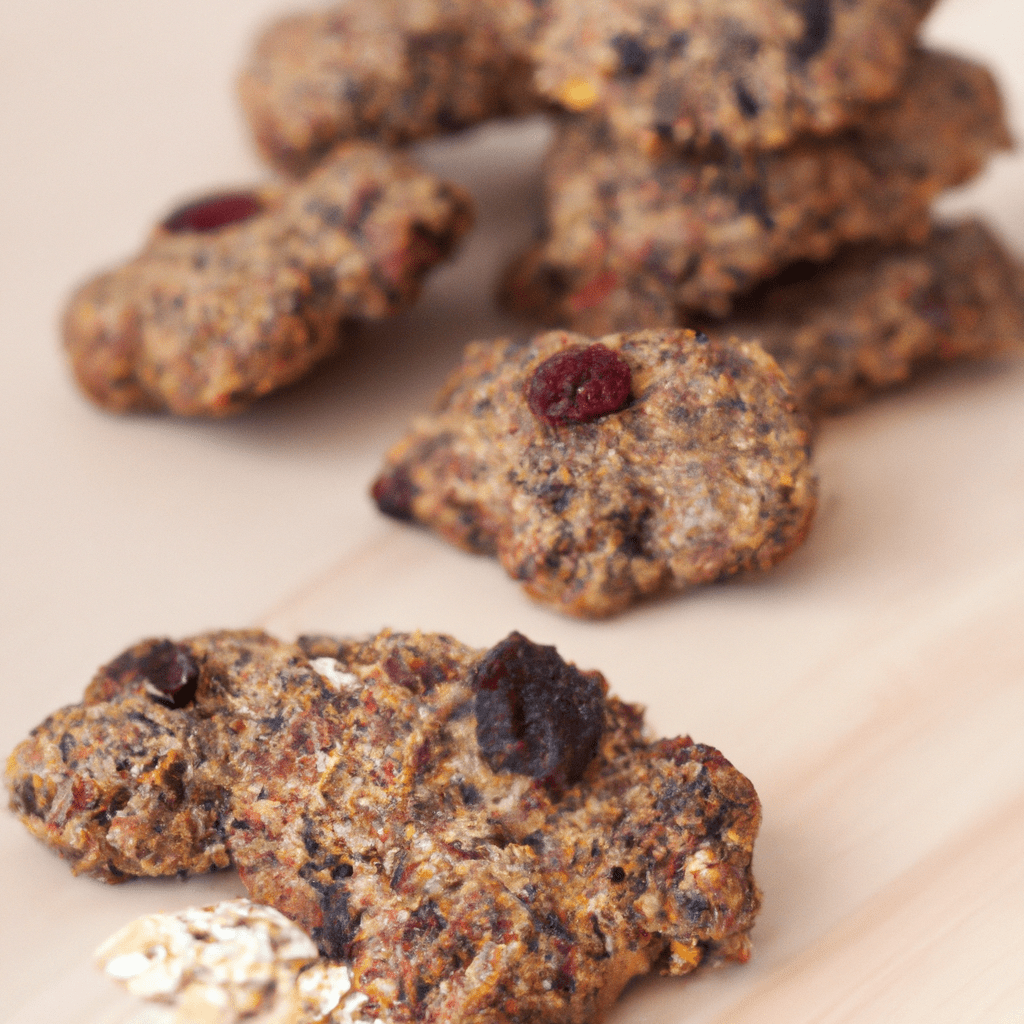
(704, 473)
(236, 295)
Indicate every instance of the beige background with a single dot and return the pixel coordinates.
(872, 686)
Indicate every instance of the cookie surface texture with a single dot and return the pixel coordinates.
(704, 473)
(875, 316)
(387, 70)
(631, 241)
(363, 793)
(753, 74)
(235, 296)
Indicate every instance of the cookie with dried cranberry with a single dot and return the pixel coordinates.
(752, 74)
(603, 472)
(637, 242)
(494, 815)
(387, 70)
(874, 316)
(238, 294)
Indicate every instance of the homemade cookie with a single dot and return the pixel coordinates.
(874, 316)
(387, 70)
(752, 74)
(634, 242)
(600, 473)
(494, 817)
(240, 293)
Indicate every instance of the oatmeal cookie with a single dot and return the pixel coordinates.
(701, 472)
(753, 74)
(388, 70)
(631, 241)
(238, 294)
(874, 316)
(479, 834)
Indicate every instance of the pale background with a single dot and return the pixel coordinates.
(872, 686)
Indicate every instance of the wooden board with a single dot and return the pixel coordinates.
(872, 686)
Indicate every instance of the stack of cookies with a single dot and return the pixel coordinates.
(766, 169)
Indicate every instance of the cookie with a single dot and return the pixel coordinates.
(634, 242)
(238, 294)
(387, 70)
(875, 316)
(592, 502)
(478, 834)
(752, 74)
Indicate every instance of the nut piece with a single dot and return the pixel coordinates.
(705, 473)
(239, 294)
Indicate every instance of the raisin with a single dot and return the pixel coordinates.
(171, 674)
(579, 384)
(536, 714)
(212, 212)
(393, 492)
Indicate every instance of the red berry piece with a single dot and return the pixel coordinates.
(393, 492)
(579, 384)
(535, 713)
(171, 674)
(213, 212)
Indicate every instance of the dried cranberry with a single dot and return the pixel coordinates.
(212, 212)
(579, 384)
(536, 714)
(171, 674)
(393, 492)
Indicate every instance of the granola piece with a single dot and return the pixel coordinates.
(704, 473)
(238, 294)
(364, 796)
(875, 316)
(234, 961)
(634, 242)
(388, 70)
(753, 74)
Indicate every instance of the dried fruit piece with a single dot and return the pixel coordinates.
(535, 713)
(579, 384)
(171, 674)
(212, 212)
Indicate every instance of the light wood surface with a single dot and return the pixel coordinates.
(872, 686)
